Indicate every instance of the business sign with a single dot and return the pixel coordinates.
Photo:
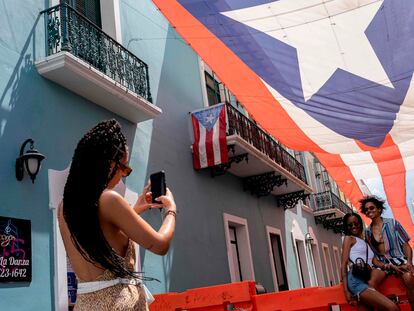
(15, 250)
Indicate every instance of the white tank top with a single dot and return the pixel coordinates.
(359, 250)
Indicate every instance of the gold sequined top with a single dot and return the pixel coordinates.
(115, 298)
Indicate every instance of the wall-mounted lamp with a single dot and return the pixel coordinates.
(308, 238)
(31, 160)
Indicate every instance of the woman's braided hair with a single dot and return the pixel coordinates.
(89, 175)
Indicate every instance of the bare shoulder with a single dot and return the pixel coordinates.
(112, 204)
(109, 196)
(349, 240)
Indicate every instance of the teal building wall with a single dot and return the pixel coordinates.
(56, 118)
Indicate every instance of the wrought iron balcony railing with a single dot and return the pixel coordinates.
(328, 200)
(68, 30)
(241, 125)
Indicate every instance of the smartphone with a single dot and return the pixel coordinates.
(158, 185)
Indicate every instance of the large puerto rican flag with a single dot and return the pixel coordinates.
(210, 144)
(330, 76)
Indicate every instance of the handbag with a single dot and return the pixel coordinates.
(360, 268)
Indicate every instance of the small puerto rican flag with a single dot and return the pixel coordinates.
(210, 145)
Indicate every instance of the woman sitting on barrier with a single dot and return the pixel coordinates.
(357, 260)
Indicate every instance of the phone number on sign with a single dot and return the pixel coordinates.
(14, 273)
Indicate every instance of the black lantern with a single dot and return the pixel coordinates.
(31, 160)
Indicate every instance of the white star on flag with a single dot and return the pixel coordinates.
(209, 118)
(327, 36)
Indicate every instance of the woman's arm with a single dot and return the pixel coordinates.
(144, 201)
(114, 209)
(377, 263)
(408, 252)
(346, 247)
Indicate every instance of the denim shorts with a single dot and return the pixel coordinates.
(355, 285)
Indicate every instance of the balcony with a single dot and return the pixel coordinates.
(329, 210)
(263, 164)
(87, 61)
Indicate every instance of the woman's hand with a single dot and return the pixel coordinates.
(403, 268)
(167, 201)
(349, 298)
(410, 268)
(397, 269)
(144, 201)
(406, 268)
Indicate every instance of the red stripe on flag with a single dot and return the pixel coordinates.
(196, 154)
(222, 136)
(209, 148)
(393, 174)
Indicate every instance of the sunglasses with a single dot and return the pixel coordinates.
(353, 224)
(126, 169)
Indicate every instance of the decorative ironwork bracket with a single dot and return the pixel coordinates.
(289, 200)
(262, 185)
(222, 169)
(321, 219)
(329, 222)
(336, 225)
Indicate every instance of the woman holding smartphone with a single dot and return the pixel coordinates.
(99, 227)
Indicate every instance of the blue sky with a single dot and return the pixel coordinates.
(376, 188)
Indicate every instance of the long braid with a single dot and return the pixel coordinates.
(89, 175)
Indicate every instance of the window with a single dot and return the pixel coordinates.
(303, 271)
(337, 259)
(90, 8)
(235, 253)
(277, 259)
(238, 248)
(328, 265)
(317, 264)
(300, 272)
(312, 267)
(213, 90)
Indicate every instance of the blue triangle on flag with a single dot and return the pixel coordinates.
(208, 117)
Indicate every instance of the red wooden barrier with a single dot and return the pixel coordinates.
(242, 296)
(210, 298)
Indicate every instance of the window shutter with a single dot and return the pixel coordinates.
(90, 8)
(93, 11)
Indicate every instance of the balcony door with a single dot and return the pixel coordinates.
(91, 9)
